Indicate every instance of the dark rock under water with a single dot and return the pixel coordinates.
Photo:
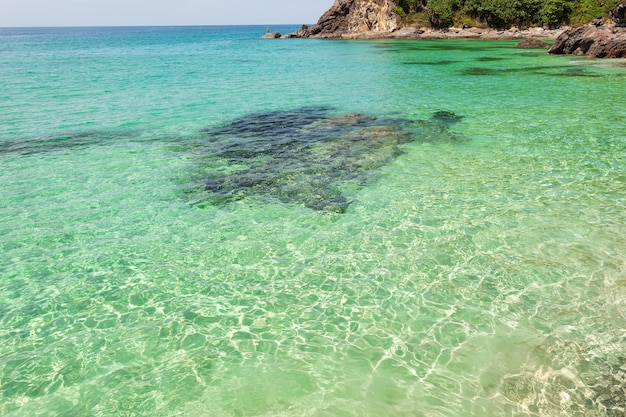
(304, 156)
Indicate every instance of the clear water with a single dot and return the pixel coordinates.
(484, 276)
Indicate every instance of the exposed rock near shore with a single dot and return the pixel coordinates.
(419, 32)
(593, 41)
(532, 43)
(476, 33)
(376, 19)
(272, 35)
(597, 40)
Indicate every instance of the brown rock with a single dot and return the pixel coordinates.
(532, 44)
(272, 35)
(595, 42)
(346, 18)
(375, 19)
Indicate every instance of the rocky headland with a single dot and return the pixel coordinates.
(377, 19)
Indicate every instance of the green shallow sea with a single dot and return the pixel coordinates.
(474, 267)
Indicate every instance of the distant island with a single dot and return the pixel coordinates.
(595, 28)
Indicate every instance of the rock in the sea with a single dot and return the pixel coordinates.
(445, 118)
(532, 44)
(272, 35)
(350, 17)
(595, 42)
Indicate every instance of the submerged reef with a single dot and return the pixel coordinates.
(304, 156)
(299, 156)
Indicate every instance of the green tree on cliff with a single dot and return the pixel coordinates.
(506, 13)
(441, 12)
(411, 6)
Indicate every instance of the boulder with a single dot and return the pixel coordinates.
(532, 44)
(272, 35)
(595, 42)
(598, 22)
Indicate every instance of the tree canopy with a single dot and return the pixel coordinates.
(504, 13)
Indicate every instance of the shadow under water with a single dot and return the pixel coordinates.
(304, 156)
(66, 142)
(440, 62)
(541, 70)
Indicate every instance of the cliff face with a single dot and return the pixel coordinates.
(350, 17)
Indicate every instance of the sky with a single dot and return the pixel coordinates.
(28, 13)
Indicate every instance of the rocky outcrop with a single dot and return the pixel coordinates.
(594, 41)
(413, 32)
(597, 40)
(349, 18)
(272, 35)
(375, 19)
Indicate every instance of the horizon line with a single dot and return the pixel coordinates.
(153, 26)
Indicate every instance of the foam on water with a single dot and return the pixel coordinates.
(480, 271)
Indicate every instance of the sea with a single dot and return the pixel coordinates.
(196, 221)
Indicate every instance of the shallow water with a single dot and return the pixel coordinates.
(476, 268)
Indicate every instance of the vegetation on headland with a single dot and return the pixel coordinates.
(501, 14)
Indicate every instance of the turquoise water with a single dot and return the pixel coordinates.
(477, 266)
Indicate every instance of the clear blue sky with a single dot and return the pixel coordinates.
(159, 12)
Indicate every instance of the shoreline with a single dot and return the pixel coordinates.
(378, 20)
(418, 33)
